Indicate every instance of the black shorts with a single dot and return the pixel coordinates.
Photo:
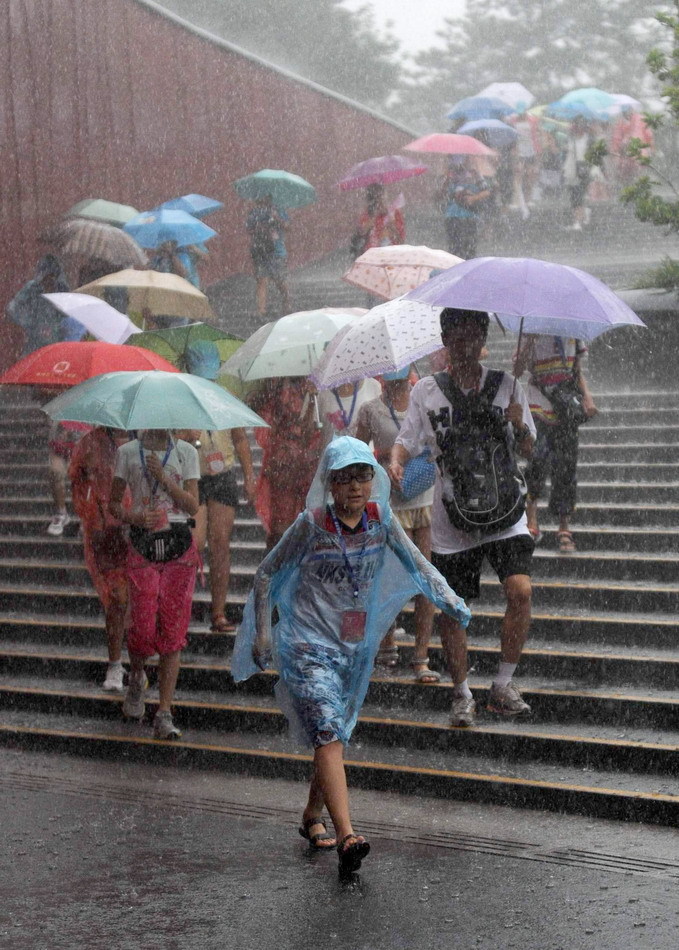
(221, 487)
(463, 571)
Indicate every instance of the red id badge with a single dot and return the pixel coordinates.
(215, 463)
(352, 629)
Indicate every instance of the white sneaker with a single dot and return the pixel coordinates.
(134, 704)
(164, 728)
(574, 227)
(114, 678)
(58, 523)
(463, 711)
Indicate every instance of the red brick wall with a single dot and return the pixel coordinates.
(111, 98)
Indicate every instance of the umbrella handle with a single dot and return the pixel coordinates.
(317, 415)
(518, 350)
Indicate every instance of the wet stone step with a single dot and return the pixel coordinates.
(416, 727)
(609, 595)
(623, 795)
(629, 452)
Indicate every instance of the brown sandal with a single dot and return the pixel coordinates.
(221, 625)
(328, 841)
(566, 542)
(423, 674)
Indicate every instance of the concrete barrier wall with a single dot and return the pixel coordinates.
(121, 100)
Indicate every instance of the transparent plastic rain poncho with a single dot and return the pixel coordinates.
(323, 679)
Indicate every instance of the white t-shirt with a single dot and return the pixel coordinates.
(375, 416)
(339, 414)
(417, 434)
(182, 464)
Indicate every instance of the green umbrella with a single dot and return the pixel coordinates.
(173, 342)
(152, 400)
(99, 209)
(286, 190)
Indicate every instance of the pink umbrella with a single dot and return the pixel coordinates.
(381, 171)
(448, 143)
(391, 271)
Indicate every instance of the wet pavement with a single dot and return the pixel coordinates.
(128, 856)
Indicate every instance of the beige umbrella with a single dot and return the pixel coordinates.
(155, 292)
(79, 237)
(392, 271)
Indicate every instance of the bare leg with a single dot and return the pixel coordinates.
(168, 670)
(220, 520)
(330, 785)
(282, 288)
(314, 808)
(137, 670)
(57, 481)
(260, 296)
(115, 624)
(454, 642)
(517, 617)
(424, 609)
(200, 531)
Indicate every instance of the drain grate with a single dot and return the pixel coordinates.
(453, 841)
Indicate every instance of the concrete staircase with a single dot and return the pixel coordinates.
(601, 670)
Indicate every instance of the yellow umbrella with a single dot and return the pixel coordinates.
(156, 292)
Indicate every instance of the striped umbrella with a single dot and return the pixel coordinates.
(80, 237)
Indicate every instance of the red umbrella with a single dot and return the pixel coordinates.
(449, 144)
(66, 364)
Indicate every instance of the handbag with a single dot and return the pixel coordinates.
(566, 397)
(419, 474)
(161, 546)
(567, 402)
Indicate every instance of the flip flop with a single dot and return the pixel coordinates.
(351, 855)
(221, 625)
(320, 836)
(566, 542)
(423, 674)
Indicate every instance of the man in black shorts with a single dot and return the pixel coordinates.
(459, 555)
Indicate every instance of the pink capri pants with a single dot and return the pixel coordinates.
(160, 602)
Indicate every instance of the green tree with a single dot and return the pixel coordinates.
(550, 46)
(654, 195)
(318, 39)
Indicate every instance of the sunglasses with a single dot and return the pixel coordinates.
(344, 478)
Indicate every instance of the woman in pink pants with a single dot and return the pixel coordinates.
(162, 475)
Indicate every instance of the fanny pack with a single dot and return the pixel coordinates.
(161, 546)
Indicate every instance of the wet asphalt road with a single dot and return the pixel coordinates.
(124, 857)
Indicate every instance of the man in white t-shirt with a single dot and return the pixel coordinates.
(457, 554)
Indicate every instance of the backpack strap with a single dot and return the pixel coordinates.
(456, 397)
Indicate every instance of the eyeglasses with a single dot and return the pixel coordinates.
(344, 478)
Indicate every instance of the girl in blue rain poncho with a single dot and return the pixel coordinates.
(337, 578)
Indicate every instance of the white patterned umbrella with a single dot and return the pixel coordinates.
(514, 94)
(385, 339)
(392, 271)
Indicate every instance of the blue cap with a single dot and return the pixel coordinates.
(202, 359)
(399, 374)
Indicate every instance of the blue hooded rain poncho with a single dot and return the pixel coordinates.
(324, 678)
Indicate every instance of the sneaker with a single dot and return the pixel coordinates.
(574, 227)
(463, 711)
(134, 705)
(114, 678)
(506, 700)
(164, 728)
(58, 523)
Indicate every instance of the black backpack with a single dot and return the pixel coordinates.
(483, 490)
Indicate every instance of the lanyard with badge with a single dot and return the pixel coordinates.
(214, 459)
(346, 419)
(352, 626)
(152, 482)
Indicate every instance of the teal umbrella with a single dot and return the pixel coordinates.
(152, 400)
(286, 190)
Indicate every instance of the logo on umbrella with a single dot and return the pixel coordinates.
(62, 367)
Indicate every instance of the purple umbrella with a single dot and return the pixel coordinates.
(530, 296)
(381, 171)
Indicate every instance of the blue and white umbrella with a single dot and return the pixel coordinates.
(153, 228)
